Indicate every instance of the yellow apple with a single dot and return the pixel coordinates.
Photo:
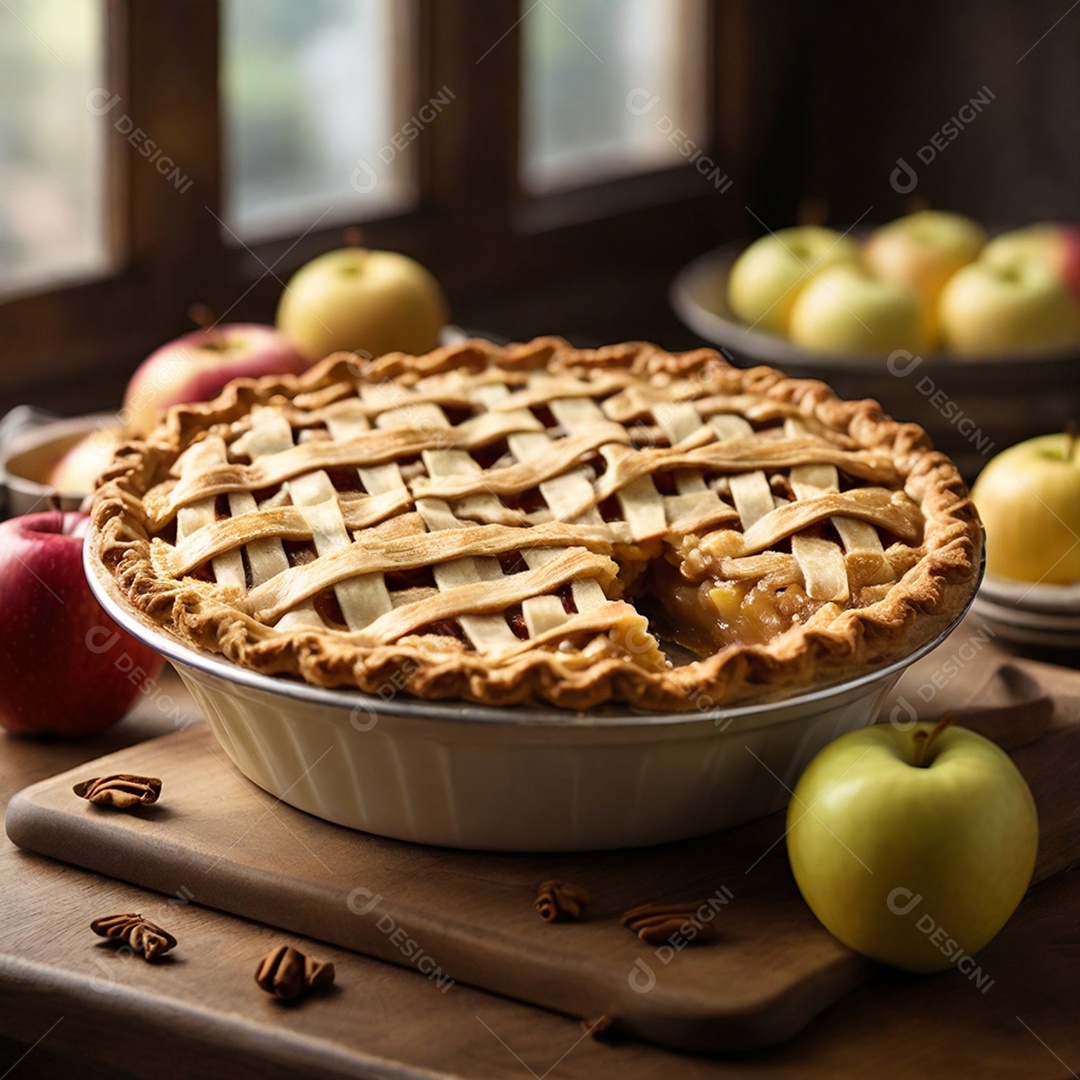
(1029, 499)
(924, 250)
(1050, 242)
(1008, 304)
(913, 846)
(766, 278)
(360, 300)
(848, 312)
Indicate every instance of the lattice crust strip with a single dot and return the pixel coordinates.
(717, 463)
(545, 614)
(483, 576)
(468, 586)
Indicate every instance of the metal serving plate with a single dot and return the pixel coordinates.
(971, 407)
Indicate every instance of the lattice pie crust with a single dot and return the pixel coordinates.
(534, 522)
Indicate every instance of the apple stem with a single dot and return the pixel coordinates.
(812, 211)
(354, 236)
(204, 319)
(924, 738)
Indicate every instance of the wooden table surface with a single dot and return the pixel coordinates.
(382, 1021)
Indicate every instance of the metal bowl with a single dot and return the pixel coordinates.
(971, 407)
(519, 779)
(32, 441)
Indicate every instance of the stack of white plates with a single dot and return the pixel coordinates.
(1032, 614)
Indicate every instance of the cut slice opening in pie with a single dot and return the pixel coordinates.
(540, 523)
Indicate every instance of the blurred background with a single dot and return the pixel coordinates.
(553, 162)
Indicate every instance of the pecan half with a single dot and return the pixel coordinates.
(656, 924)
(287, 973)
(559, 900)
(144, 937)
(121, 790)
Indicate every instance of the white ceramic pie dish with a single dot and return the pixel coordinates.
(519, 779)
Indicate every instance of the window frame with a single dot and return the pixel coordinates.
(474, 225)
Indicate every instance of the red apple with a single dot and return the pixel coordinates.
(65, 667)
(196, 366)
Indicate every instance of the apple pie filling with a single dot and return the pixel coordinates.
(514, 523)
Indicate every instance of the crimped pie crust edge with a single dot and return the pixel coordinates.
(920, 606)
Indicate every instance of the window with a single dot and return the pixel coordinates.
(155, 155)
(313, 94)
(639, 64)
(52, 142)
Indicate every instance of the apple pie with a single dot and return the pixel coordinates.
(542, 523)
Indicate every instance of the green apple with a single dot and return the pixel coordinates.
(848, 312)
(913, 846)
(924, 250)
(360, 300)
(1029, 499)
(1008, 304)
(767, 277)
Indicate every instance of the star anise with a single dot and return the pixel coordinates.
(144, 937)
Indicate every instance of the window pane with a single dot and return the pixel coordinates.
(52, 142)
(314, 94)
(590, 70)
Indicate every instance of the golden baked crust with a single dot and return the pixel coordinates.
(479, 523)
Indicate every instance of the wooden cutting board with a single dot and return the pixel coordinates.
(217, 840)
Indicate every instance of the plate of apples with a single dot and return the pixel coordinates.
(975, 337)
